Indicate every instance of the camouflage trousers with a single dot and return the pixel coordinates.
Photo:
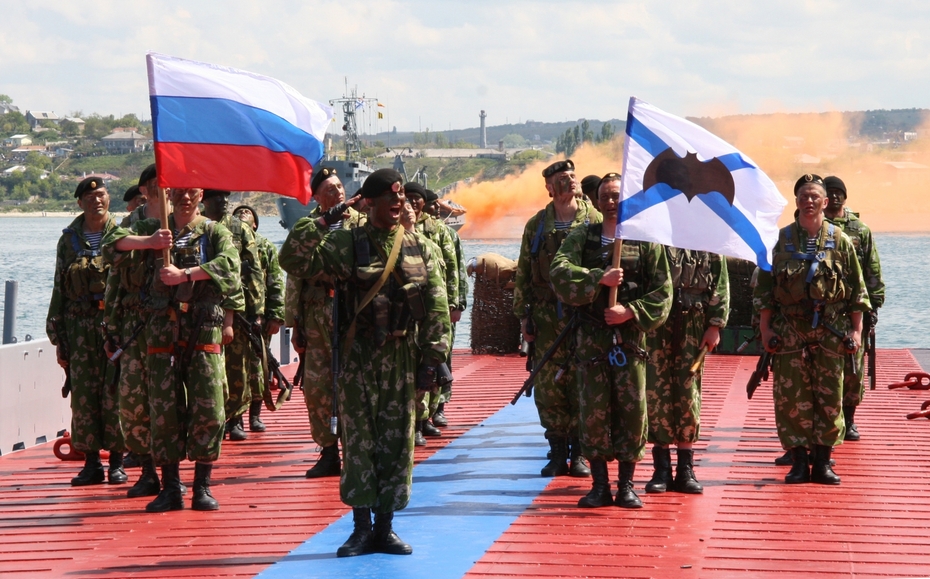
(808, 384)
(256, 373)
(673, 396)
(854, 383)
(238, 393)
(187, 411)
(445, 393)
(428, 402)
(376, 411)
(318, 370)
(556, 400)
(94, 405)
(133, 385)
(612, 399)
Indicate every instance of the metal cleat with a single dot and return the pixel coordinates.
(913, 381)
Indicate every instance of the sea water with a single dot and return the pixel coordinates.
(27, 255)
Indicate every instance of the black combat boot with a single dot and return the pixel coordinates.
(786, 459)
(115, 473)
(385, 540)
(131, 460)
(852, 433)
(328, 463)
(821, 473)
(599, 495)
(418, 439)
(359, 542)
(203, 500)
(800, 468)
(430, 430)
(684, 474)
(578, 466)
(169, 499)
(626, 498)
(92, 473)
(234, 429)
(255, 421)
(439, 418)
(558, 455)
(148, 484)
(661, 480)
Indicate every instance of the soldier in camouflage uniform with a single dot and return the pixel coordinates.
(148, 189)
(75, 315)
(441, 236)
(432, 208)
(814, 291)
(867, 253)
(189, 307)
(609, 341)
(700, 307)
(125, 316)
(404, 321)
(239, 352)
(309, 310)
(535, 302)
(273, 316)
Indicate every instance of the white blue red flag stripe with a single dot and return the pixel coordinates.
(685, 187)
(223, 128)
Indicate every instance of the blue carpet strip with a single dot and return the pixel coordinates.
(464, 497)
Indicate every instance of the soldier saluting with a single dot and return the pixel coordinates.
(396, 314)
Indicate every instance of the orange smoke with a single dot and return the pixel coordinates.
(888, 184)
(500, 209)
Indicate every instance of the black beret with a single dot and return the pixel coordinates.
(247, 208)
(430, 196)
(832, 182)
(809, 179)
(414, 189)
(147, 174)
(322, 174)
(92, 183)
(380, 182)
(131, 193)
(558, 167)
(589, 185)
(207, 193)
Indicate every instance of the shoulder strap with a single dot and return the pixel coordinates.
(534, 249)
(362, 248)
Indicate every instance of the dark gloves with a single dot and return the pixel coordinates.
(873, 317)
(333, 215)
(426, 377)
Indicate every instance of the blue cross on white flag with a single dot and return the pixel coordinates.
(685, 187)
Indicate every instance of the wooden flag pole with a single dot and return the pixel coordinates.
(615, 262)
(163, 207)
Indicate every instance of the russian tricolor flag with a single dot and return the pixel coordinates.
(222, 128)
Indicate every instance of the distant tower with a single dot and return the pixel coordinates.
(484, 131)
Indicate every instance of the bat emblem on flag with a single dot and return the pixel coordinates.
(689, 175)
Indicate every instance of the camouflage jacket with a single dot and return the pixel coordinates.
(532, 280)
(580, 264)
(463, 276)
(80, 274)
(299, 292)
(700, 277)
(861, 237)
(253, 282)
(309, 250)
(440, 234)
(274, 278)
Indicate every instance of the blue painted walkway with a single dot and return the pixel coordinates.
(464, 497)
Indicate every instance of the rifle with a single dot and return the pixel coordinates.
(270, 365)
(528, 384)
(530, 346)
(114, 359)
(762, 368)
(334, 341)
(868, 331)
(848, 344)
(301, 341)
(64, 350)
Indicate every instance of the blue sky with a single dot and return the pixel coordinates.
(437, 63)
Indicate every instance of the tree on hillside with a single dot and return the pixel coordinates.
(587, 135)
(13, 123)
(5, 99)
(607, 133)
(38, 160)
(69, 128)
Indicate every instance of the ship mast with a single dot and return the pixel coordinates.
(351, 103)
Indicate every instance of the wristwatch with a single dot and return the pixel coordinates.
(187, 272)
